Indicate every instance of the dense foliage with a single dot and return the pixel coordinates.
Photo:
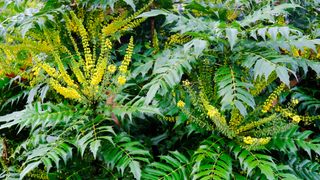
(199, 89)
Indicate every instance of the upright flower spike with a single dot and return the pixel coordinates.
(89, 61)
(269, 103)
(102, 63)
(127, 57)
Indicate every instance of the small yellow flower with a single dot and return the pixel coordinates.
(296, 119)
(122, 80)
(180, 104)
(112, 68)
(295, 101)
(36, 70)
(186, 83)
(248, 140)
(108, 44)
(9, 40)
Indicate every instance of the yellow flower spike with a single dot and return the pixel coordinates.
(112, 68)
(97, 77)
(68, 92)
(296, 119)
(85, 43)
(122, 80)
(180, 104)
(271, 101)
(50, 70)
(127, 58)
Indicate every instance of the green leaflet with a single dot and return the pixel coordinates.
(232, 90)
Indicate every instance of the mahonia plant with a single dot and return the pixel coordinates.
(240, 58)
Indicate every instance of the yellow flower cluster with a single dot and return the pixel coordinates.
(133, 24)
(309, 119)
(212, 112)
(66, 92)
(122, 80)
(260, 141)
(294, 101)
(286, 113)
(108, 44)
(63, 73)
(180, 104)
(170, 118)
(255, 124)
(295, 52)
(296, 119)
(261, 83)
(112, 68)
(125, 63)
(232, 15)
(271, 101)
(102, 63)
(50, 70)
(306, 53)
(155, 42)
(318, 53)
(281, 20)
(176, 39)
(236, 119)
(186, 83)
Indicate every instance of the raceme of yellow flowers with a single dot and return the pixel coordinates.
(272, 99)
(85, 73)
(244, 129)
(305, 53)
(14, 60)
(120, 24)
